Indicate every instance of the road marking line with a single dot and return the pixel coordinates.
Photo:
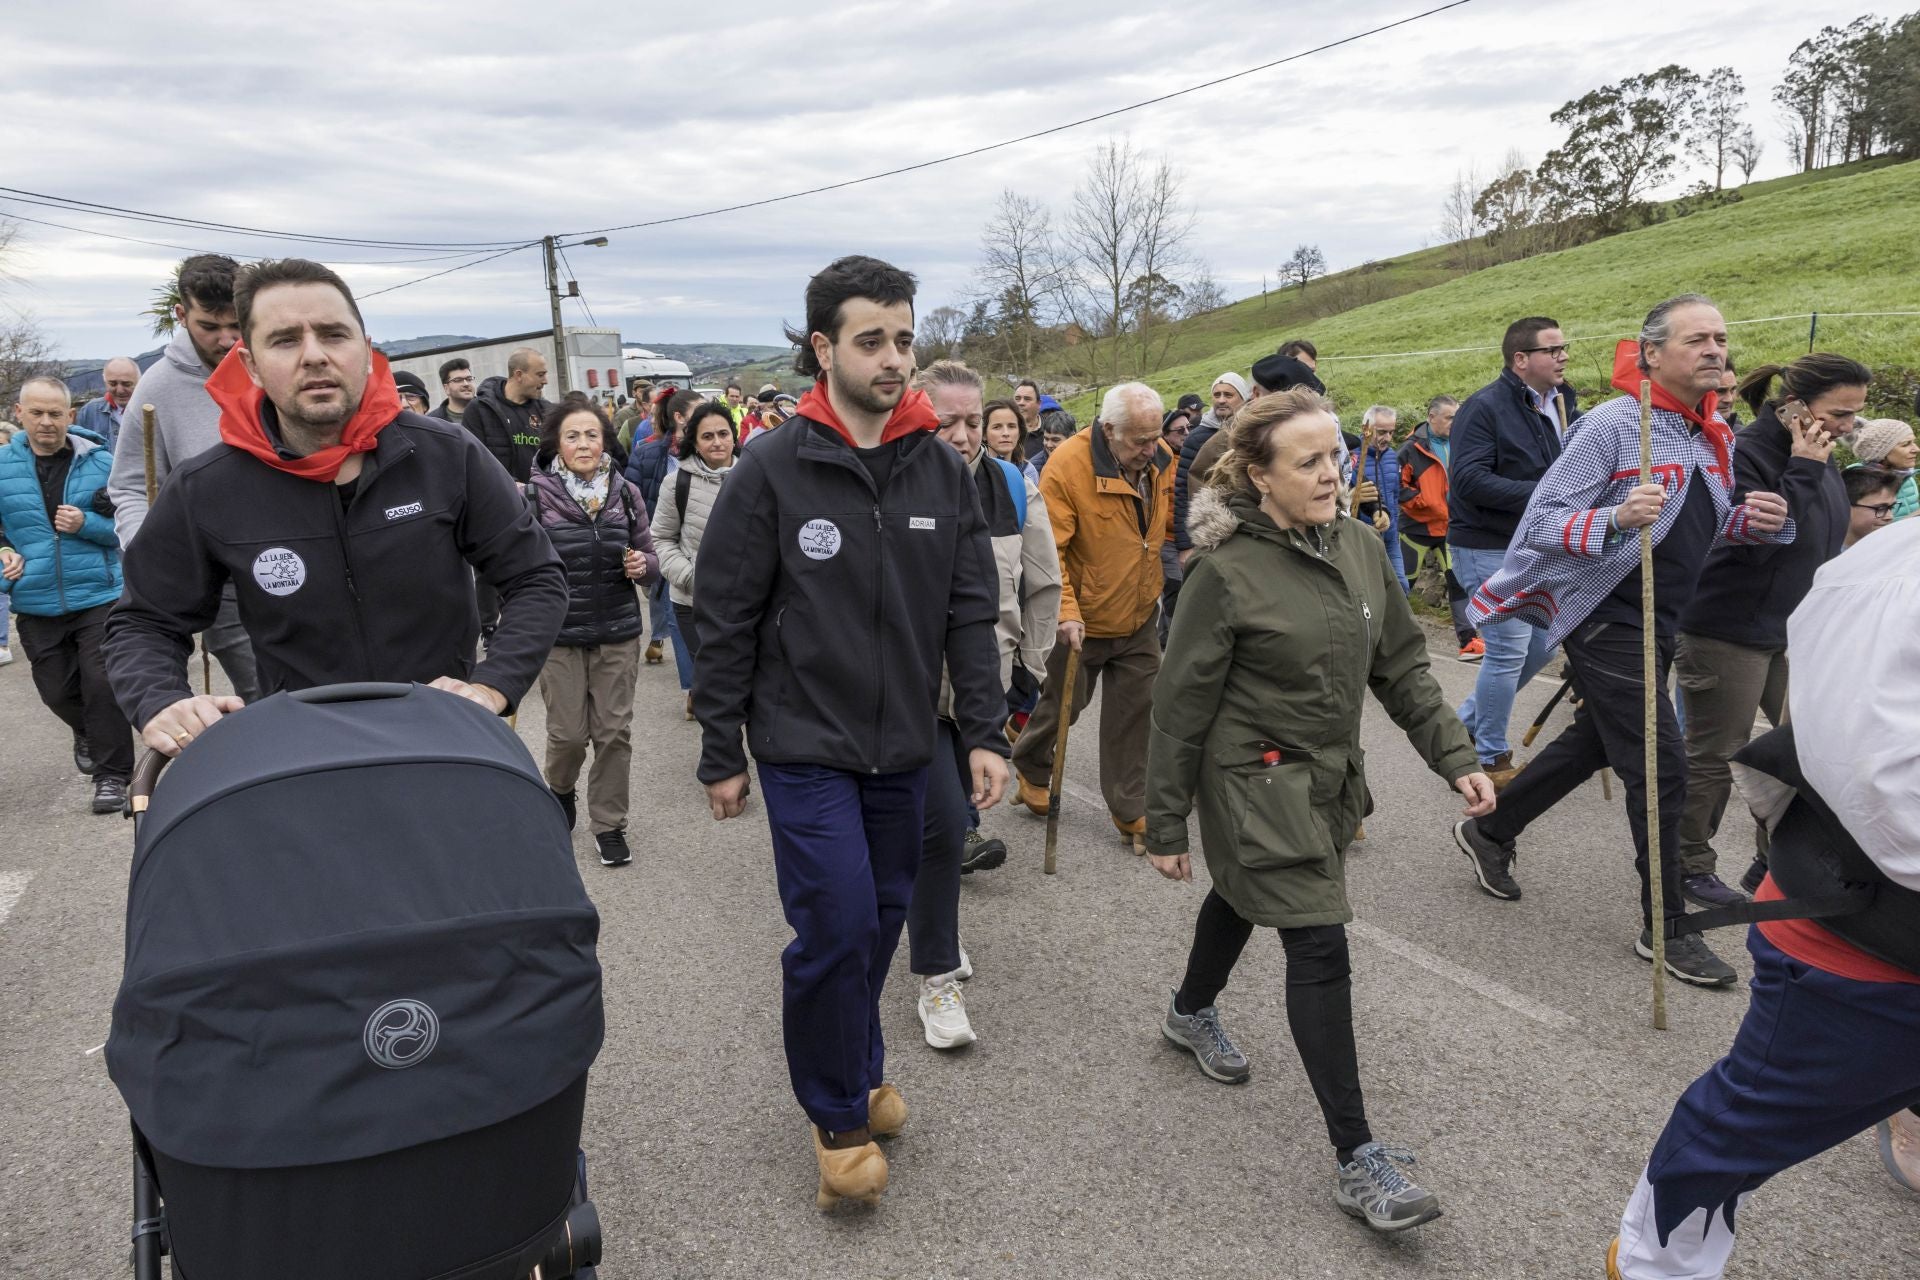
(1081, 794)
(1525, 1006)
(12, 885)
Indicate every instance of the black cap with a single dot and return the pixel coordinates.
(1284, 373)
(1190, 402)
(410, 382)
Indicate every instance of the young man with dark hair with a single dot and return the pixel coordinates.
(1303, 351)
(1504, 438)
(842, 562)
(352, 529)
(456, 379)
(1574, 571)
(186, 424)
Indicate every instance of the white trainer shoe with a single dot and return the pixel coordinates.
(6, 655)
(943, 1012)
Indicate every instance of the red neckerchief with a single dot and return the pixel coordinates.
(913, 413)
(240, 424)
(1627, 376)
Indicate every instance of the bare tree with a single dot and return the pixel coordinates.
(937, 334)
(1021, 273)
(25, 352)
(1460, 224)
(1305, 266)
(1716, 124)
(1165, 225)
(1204, 294)
(1745, 151)
(1103, 235)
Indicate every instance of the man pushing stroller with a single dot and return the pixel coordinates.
(351, 528)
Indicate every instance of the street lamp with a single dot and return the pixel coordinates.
(552, 247)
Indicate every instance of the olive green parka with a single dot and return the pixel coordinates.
(1278, 637)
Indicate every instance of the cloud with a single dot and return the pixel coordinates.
(495, 122)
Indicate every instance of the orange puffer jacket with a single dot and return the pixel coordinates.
(1423, 486)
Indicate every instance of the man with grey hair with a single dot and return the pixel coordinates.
(1376, 481)
(1574, 572)
(60, 566)
(103, 416)
(1109, 493)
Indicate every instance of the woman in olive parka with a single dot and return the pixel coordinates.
(1289, 614)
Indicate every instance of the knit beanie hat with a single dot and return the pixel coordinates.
(1235, 381)
(1875, 438)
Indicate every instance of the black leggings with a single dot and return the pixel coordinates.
(1319, 1006)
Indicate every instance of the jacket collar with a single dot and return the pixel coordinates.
(913, 413)
(1105, 467)
(243, 419)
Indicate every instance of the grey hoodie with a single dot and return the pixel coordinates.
(186, 423)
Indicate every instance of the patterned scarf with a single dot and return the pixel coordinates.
(590, 493)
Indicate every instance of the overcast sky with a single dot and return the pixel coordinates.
(401, 122)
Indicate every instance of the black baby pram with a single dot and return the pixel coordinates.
(360, 1000)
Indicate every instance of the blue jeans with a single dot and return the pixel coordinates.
(666, 628)
(1516, 653)
(846, 847)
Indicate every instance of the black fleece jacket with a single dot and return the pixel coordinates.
(827, 604)
(376, 588)
(1745, 593)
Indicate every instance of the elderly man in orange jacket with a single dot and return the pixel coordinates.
(1109, 492)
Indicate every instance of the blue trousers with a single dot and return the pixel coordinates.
(1516, 652)
(665, 626)
(1818, 1059)
(845, 850)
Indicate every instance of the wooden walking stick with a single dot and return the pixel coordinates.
(1070, 677)
(1540, 721)
(1649, 679)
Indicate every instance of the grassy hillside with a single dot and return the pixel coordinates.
(1842, 244)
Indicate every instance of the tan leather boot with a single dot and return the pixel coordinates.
(886, 1112)
(848, 1173)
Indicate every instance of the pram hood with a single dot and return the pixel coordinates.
(353, 926)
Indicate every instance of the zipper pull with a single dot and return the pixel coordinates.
(876, 520)
(1366, 611)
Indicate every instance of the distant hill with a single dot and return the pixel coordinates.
(1837, 243)
(407, 346)
(705, 357)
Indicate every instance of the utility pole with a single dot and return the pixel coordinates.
(561, 383)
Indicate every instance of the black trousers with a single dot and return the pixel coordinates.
(1412, 542)
(933, 913)
(1319, 1006)
(1609, 731)
(71, 676)
(689, 635)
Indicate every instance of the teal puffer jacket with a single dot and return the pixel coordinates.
(66, 572)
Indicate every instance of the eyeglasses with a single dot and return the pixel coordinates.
(1881, 510)
(1560, 350)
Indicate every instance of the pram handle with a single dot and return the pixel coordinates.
(146, 774)
(356, 691)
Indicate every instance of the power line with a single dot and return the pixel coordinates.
(574, 279)
(1028, 137)
(185, 248)
(199, 224)
(449, 271)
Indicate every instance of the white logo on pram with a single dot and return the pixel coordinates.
(401, 1033)
(279, 571)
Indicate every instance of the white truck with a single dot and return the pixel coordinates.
(594, 361)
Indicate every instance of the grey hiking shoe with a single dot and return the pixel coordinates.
(1689, 959)
(1492, 861)
(1202, 1035)
(1371, 1187)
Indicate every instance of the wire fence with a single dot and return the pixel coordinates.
(1813, 319)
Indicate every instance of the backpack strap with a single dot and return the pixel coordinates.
(1017, 487)
(682, 486)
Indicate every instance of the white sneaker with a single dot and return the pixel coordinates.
(961, 974)
(943, 1012)
(6, 656)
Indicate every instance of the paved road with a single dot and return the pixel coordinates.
(1508, 1043)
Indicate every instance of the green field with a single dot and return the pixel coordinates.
(1842, 242)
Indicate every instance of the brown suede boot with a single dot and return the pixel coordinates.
(856, 1171)
(886, 1112)
(1502, 771)
(1132, 834)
